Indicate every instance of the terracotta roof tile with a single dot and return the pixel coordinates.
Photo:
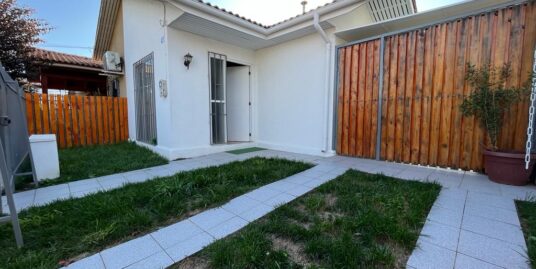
(64, 58)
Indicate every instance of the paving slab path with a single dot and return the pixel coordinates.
(472, 224)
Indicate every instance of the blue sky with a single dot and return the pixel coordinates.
(75, 21)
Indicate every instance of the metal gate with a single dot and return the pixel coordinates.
(144, 96)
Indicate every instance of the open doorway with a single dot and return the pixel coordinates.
(230, 106)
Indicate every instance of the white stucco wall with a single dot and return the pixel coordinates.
(288, 85)
(291, 90)
(189, 89)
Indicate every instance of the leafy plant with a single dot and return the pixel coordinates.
(490, 97)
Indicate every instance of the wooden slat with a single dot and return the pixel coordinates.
(445, 130)
(340, 99)
(354, 77)
(81, 120)
(61, 121)
(105, 121)
(375, 98)
(427, 96)
(68, 121)
(87, 120)
(361, 99)
(100, 121)
(93, 120)
(367, 105)
(52, 114)
(116, 120)
(38, 114)
(111, 119)
(385, 98)
(400, 94)
(346, 107)
(409, 95)
(44, 106)
(392, 101)
(30, 113)
(74, 121)
(125, 118)
(417, 104)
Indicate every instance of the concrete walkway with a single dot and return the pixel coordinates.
(473, 223)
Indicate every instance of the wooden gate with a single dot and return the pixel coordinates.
(422, 86)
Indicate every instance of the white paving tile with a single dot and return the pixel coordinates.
(446, 216)
(298, 191)
(466, 262)
(256, 212)
(130, 252)
(228, 227)
(241, 204)
(263, 194)
(493, 213)
(428, 256)
(439, 234)
(491, 200)
(211, 218)
(91, 262)
(280, 199)
(176, 233)
(83, 185)
(494, 229)
(492, 250)
(159, 260)
(189, 247)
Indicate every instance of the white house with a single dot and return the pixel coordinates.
(247, 84)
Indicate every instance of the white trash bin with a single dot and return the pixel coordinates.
(45, 156)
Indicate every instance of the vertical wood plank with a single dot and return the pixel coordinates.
(385, 98)
(100, 120)
(427, 95)
(44, 106)
(346, 111)
(30, 113)
(68, 121)
(52, 114)
(111, 119)
(361, 98)
(125, 118)
(391, 117)
(375, 98)
(81, 120)
(437, 92)
(105, 121)
(400, 94)
(116, 119)
(61, 121)
(37, 114)
(417, 105)
(87, 120)
(74, 124)
(340, 99)
(93, 119)
(367, 106)
(354, 77)
(409, 95)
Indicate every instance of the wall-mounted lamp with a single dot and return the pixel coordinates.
(187, 60)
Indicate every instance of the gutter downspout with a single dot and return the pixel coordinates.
(325, 135)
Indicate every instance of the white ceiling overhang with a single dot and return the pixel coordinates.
(206, 21)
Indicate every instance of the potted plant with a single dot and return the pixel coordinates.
(488, 102)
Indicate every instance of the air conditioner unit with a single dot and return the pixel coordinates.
(112, 61)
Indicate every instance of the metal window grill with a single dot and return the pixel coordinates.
(144, 96)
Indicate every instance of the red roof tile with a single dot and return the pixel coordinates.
(64, 58)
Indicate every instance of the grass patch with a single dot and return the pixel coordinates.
(358, 220)
(65, 229)
(527, 216)
(98, 160)
(245, 150)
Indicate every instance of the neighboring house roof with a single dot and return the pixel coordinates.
(54, 57)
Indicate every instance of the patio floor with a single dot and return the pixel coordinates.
(473, 224)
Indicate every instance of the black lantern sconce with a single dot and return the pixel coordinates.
(188, 60)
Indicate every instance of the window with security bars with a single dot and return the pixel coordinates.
(144, 97)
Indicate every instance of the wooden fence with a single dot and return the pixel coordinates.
(78, 120)
(423, 87)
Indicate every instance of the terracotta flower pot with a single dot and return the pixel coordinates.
(507, 167)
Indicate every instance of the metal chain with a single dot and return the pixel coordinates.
(531, 114)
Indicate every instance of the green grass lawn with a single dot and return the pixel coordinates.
(66, 229)
(527, 216)
(358, 220)
(99, 160)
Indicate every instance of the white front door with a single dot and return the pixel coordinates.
(238, 104)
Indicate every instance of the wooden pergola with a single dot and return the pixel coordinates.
(63, 71)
